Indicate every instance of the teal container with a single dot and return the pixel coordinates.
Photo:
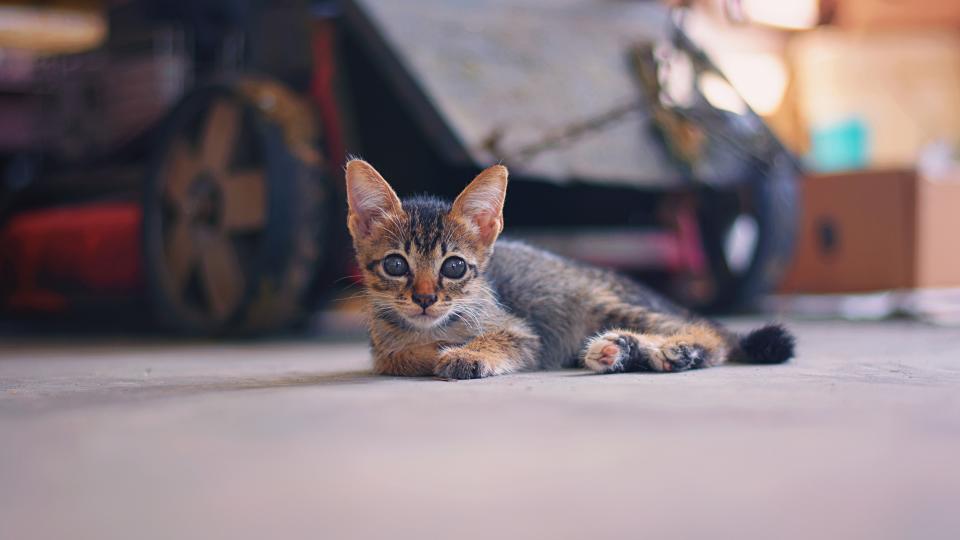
(841, 146)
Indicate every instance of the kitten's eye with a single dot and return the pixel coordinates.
(454, 268)
(395, 265)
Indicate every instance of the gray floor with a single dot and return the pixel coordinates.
(859, 438)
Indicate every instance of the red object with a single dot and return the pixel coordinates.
(323, 93)
(689, 243)
(47, 255)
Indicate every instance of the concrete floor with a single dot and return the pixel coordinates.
(103, 439)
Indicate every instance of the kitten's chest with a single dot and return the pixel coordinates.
(391, 339)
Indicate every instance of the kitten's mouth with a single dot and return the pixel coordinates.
(425, 317)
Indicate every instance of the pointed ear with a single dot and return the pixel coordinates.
(369, 196)
(481, 203)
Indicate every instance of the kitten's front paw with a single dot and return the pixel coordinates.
(460, 363)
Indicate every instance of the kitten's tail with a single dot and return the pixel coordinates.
(771, 344)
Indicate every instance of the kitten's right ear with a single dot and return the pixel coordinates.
(369, 196)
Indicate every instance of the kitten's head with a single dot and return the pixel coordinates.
(422, 258)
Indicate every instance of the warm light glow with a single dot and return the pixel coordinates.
(51, 30)
(721, 95)
(790, 14)
(761, 78)
(679, 83)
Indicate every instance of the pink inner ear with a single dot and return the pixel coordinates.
(489, 225)
(361, 224)
(481, 202)
(369, 196)
(363, 221)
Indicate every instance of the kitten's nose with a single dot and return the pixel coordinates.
(424, 300)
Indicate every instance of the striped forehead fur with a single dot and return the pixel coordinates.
(426, 216)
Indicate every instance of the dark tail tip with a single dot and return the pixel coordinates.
(772, 344)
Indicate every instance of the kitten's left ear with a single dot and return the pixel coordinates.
(481, 202)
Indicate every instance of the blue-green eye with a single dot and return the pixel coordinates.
(453, 268)
(395, 265)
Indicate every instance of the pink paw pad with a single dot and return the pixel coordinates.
(610, 353)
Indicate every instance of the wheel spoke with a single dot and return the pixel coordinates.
(244, 201)
(181, 253)
(222, 277)
(182, 167)
(219, 135)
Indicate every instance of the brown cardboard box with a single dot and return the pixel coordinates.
(874, 231)
(874, 14)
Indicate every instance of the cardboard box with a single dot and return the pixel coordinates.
(876, 14)
(903, 87)
(874, 231)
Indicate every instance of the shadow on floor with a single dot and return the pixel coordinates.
(61, 396)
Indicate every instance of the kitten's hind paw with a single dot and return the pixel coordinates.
(605, 353)
(617, 351)
(683, 356)
(622, 350)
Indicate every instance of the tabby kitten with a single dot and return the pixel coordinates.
(447, 299)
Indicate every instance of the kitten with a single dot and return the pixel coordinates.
(447, 299)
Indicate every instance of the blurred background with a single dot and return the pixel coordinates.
(171, 180)
(177, 165)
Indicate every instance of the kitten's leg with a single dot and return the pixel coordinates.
(689, 347)
(417, 361)
(492, 353)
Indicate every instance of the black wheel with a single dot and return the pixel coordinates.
(748, 235)
(234, 214)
